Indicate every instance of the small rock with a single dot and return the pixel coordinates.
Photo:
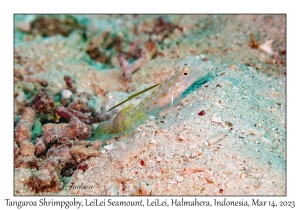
(145, 188)
(112, 191)
(192, 146)
(242, 176)
(24, 126)
(197, 152)
(82, 166)
(109, 147)
(21, 98)
(66, 94)
(43, 102)
(27, 148)
(52, 132)
(40, 181)
(267, 47)
(151, 117)
(62, 132)
(29, 162)
(66, 161)
(218, 137)
(81, 153)
(182, 138)
(46, 179)
(216, 118)
(40, 145)
(229, 166)
(80, 175)
(193, 168)
(97, 145)
(179, 178)
(256, 183)
(24, 26)
(153, 141)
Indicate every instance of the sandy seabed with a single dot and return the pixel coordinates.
(225, 136)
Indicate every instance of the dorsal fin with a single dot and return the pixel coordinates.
(134, 95)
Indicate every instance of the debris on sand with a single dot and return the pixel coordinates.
(148, 51)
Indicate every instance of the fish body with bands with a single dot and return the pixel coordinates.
(162, 95)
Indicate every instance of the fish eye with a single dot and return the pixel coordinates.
(185, 71)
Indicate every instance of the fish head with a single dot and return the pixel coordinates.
(184, 80)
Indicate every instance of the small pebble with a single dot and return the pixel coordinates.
(230, 165)
(178, 178)
(151, 117)
(197, 152)
(256, 183)
(216, 118)
(109, 147)
(153, 141)
(80, 175)
(181, 138)
(242, 176)
(97, 145)
(112, 191)
(82, 166)
(21, 97)
(145, 188)
(192, 146)
(66, 94)
(27, 148)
